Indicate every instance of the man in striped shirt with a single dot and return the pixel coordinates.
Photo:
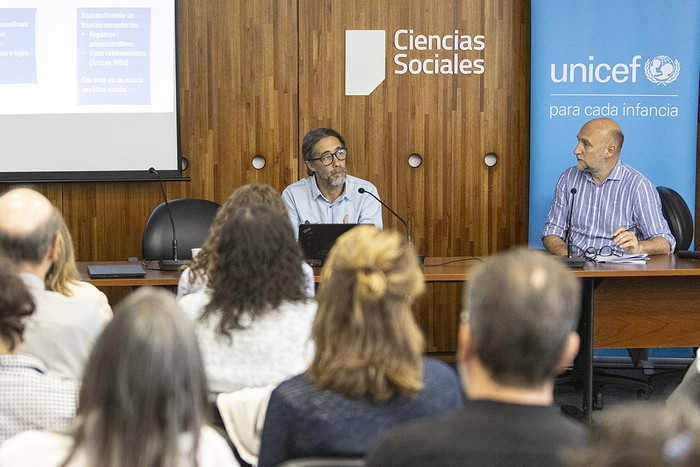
(615, 205)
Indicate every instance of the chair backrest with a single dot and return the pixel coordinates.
(678, 216)
(325, 462)
(192, 218)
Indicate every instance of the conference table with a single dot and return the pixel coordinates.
(655, 304)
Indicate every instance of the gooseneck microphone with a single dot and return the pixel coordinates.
(569, 240)
(421, 258)
(174, 264)
(408, 235)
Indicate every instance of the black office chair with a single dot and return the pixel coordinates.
(677, 214)
(192, 218)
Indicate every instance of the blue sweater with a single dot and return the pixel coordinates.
(302, 421)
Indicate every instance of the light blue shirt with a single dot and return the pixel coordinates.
(305, 203)
(625, 199)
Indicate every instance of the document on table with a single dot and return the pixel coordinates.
(639, 258)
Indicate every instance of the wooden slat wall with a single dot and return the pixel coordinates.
(255, 75)
(453, 202)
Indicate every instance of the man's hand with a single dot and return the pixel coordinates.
(627, 240)
(346, 218)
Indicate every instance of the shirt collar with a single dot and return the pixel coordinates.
(32, 281)
(615, 174)
(317, 193)
(22, 361)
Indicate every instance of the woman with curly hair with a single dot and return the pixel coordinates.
(195, 277)
(368, 374)
(253, 320)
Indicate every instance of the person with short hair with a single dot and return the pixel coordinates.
(63, 329)
(195, 277)
(254, 318)
(517, 333)
(329, 195)
(30, 399)
(368, 374)
(615, 207)
(143, 400)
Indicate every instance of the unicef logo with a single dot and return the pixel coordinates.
(662, 70)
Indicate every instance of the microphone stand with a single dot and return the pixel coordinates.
(165, 264)
(361, 190)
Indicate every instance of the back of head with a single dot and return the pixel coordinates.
(521, 306)
(16, 305)
(63, 271)
(144, 385)
(367, 341)
(641, 434)
(28, 225)
(252, 193)
(257, 253)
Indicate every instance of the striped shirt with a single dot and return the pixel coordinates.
(625, 199)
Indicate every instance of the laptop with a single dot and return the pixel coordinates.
(317, 240)
(112, 271)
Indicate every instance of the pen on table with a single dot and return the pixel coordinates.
(628, 229)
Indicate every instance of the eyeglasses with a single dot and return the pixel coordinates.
(327, 158)
(592, 254)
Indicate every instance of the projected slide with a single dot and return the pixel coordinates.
(87, 86)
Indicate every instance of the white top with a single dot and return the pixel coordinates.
(184, 287)
(62, 330)
(87, 292)
(47, 449)
(272, 348)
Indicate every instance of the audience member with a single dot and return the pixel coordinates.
(29, 398)
(517, 333)
(641, 434)
(329, 195)
(63, 329)
(368, 374)
(254, 319)
(63, 276)
(143, 401)
(195, 277)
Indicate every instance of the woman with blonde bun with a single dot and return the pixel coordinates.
(368, 374)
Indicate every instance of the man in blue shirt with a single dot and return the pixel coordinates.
(613, 204)
(329, 195)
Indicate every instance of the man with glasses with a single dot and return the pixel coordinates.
(616, 209)
(329, 195)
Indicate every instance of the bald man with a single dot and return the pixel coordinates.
(63, 329)
(615, 206)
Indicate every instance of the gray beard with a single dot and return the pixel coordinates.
(336, 182)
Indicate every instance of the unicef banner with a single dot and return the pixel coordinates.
(633, 61)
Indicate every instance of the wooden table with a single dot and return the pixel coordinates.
(656, 304)
(153, 277)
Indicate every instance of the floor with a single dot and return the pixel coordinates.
(663, 374)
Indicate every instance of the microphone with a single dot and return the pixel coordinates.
(569, 245)
(408, 234)
(569, 260)
(164, 264)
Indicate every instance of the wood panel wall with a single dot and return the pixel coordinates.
(255, 75)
